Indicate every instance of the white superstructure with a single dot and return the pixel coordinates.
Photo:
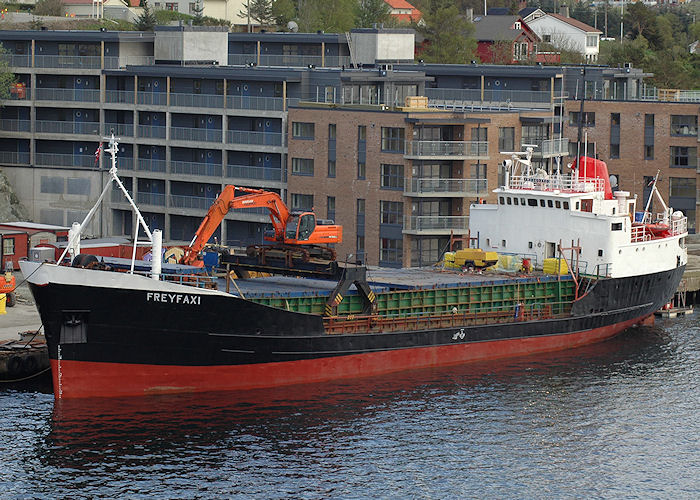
(553, 211)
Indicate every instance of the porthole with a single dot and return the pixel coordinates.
(156, 83)
(620, 252)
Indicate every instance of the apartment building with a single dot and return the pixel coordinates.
(197, 109)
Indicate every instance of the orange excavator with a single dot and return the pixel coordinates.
(298, 235)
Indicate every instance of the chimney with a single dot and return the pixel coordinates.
(564, 10)
(470, 14)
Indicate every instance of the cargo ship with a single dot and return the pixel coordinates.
(155, 330)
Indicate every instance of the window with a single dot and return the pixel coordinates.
(684, 125)
(550, 203)
(591, 40)
(302, 166)
(330, 206)
(506, 138)
(390, 251)
(361, 133)
(557, 204)
(302, 201)
(8, 246)
(392, 140)
(509, 201)
(566, 205)
(331, 131)
(361, 170)
(360, 248)
(391, 212)
(684, 157)
(501, 200)
(532, 202)
(52, 184)
(649, 152)
(616, 226)
(547, 38)
(615, 119)
(588, 118)
(77, 186)
(301, 130)
(331, 168)
(648, 137)
(614, 135)
(681, 187)
(171, 6)
(614, 150)
(392, 176)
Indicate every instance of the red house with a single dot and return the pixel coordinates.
(403, 11)
(504, 40)
(18, 237)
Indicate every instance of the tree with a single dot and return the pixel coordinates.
(333, 16)
(49, 8)
(448, 36)
(7, 78)
(198, 13)
(147, 20)
(283, 11)
(258, 11)
(371, 12)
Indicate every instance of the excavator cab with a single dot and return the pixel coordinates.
(300, 226)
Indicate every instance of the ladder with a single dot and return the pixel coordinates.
(351, 49)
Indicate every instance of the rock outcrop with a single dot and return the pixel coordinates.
(10, 207)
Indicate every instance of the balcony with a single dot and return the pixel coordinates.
(436, 225)
(197, 100)
(79, 95)
(66, 127)
(195, 134)
(150, 165)
(254, 173)
(254, 138)
(256, 103)
(151, 132)
(8, 125)
(152, 98)
(447, 150)
(553, 147)
(197, 202)
(470, 99)
(432, 187)
(65, 160)
(119, 96)
(123, 162)
(112, 62)
(154, 199)
(117, 196)
(119, 129)
(14, 157)
(195, 168)
(79, 62)
(17, 60)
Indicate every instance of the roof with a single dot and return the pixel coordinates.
(33, 225)
(414, 16)
(575, 23)
(399, 4)
(496, 28)
(527, 11)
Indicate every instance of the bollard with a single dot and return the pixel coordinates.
(3, 299)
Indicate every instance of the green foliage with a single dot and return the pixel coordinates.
(7, 78)
(332, 16)
(147, 20)
(283, 11)
(449, 35)
(49, 8)
(198, 13)
(370, 12)
(258, 11)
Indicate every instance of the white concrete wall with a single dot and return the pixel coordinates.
(383, 46)
(192, 44)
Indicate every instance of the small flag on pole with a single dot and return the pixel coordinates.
(97, 154)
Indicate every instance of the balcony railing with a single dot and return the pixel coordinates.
(119, 129)
(119, 96)
(151, 131)
(471, 98)
(195, 168)
(199, 202)
(117, 196)
(150, 165)
(65, 160)
(444, 187)
(448, 149)
(8, 125)
(66, 127)
(155, 199)
(118, 62)
(17, 60)
(197, 100)
(555, 147)
(254, 138)
(55, 61)
(123, 162)
(256, 173)
(153, 98)
(258, 103)
(195, 134)
(14, 157)
(82, 95)
(436, 224)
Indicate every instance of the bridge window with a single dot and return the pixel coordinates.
(566, 205)
(542, 203)
(515, 202)
(557, 204)
(501, 200)
(550, 204)
(616, 226)
(508, 201)
(532, 202)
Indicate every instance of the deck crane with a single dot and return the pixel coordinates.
(297, 234)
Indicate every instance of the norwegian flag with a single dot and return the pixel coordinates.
(98, 152)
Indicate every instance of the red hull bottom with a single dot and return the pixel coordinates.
(77, 379)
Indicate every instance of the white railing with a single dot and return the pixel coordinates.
(448, 148)
(555, 147)
(564, 183)
(437, 223)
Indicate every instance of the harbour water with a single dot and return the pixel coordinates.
(616, 419)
